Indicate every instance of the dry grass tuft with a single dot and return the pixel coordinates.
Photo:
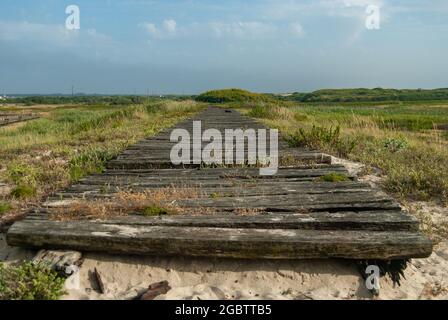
(161, 201)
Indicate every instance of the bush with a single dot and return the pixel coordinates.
(90, 161)
(394, 145)
(233, 95)
(22, 192)
(22, 174)
(29, 282)
(370, 95)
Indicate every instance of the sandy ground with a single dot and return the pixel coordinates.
(125, 277)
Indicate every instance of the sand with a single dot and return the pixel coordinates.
(127, 276)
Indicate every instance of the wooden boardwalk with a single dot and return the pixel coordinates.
(9, 118)
(289, 215)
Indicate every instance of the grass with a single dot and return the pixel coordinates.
(334, 177)
(400, 139)
(154, 210)
(149, 203)
(4, 208)
(42, 156)
(370, 95)
(322, 138)
(21, 192)
(28, 281)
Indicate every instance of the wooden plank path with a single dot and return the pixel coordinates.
(9, 118)
(238, 214)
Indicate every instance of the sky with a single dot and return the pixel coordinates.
(190, 46)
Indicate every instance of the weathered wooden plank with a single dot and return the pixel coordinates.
(315, 170)
(6, 119)
(284, 199)
(348, 220)
(147, 162)
(219, 242)
(215, 190)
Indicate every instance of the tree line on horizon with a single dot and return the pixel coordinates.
(239, 95)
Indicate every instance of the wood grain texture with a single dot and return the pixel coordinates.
(245, 243)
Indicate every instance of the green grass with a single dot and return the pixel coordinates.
(409, 117)
(370, 95)
(21, 192)
(42, 156)
(56, 100)
(399, 139)
(322, 138)
(334, 177)
(4, 207)
(29, 282)
(155, 211)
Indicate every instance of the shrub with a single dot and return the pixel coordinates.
(23, 191)
(233, 95)
(322, 138)
(90, 161)
(394, 145)
(22, 174)
(28, 281)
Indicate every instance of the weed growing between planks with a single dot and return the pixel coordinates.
(149, 203)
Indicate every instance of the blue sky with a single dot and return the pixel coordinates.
(173, 46)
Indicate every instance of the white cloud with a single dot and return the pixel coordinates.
(150, 28)
(170, 26)
(297, 29)
(250, 29)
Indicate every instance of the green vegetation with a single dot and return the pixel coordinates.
(89, 162)
(4, 207)
(395, 145)
(154, 211)
(29, 282)
(402, 140)
(334, 177)
(322, 138)
(233, 95)
(369, 95)
(79, 99)
(42, 156)
(21, 192)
